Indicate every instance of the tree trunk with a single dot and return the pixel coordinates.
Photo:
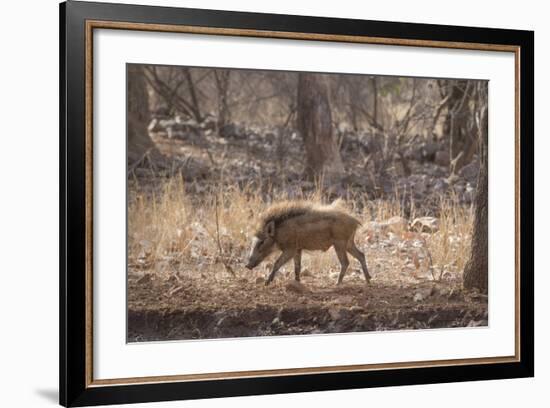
(139, 142)
(456, 125)
(476, 270)
(323, 161)
(222, 77)
(374, 99)
(194, 100)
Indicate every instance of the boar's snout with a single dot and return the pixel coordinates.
(262, 246)
(252, 262)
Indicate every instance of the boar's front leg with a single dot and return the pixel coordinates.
(283, 259)
(297, 265)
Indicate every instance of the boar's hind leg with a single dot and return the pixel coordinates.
(340, 249)
(283, 259)
(360, 256)
(297, 265)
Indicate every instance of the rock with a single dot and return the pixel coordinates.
(175, 127)
(435, 291)
(228, 130)
(209, 123)
(470, 171)
(306, 272)
(155, 126)
(469, 193)
(440, 186)
(356, 309)
(425, 224)
(423, 151)
(144, 279)
(447, 276)
(233, 131)
(452, 179)
(455, 294)
(423, 294)
(175, 290)
(260, 280)
(442, 158)
(478, 296)
(146, 245)
(433, 319)
(395, 224)
(413, 154)
(174, 279)
(335, 313)
(429, 149)
(344, 300)
(296, 287)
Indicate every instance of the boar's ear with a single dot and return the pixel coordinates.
(270, 228)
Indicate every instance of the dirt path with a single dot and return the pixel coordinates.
(174, 308)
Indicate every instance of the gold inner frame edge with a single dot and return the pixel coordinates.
(98, 24)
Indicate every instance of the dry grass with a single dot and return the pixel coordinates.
(173, 231)
(450, 246)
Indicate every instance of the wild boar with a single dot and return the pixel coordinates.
(294, 226)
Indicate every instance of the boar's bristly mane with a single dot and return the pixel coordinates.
(280, 212)
(283, 211)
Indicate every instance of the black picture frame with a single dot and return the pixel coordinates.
(75, 387)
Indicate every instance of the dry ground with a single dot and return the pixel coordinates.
(172, 310)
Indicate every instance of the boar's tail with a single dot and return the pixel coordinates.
(339, 203)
